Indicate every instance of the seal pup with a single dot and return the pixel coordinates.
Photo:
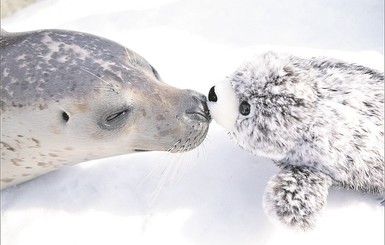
(320, 120)
(69, 97)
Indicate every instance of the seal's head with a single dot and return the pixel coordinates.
(265, 104)
(68, 97)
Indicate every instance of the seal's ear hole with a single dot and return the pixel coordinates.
(65, 116)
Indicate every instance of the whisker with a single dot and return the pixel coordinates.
(161, 184)
(183, 149)
(174, 146)
(128, 54)
(175, 163)
(154, 170)
(183, 167)
(93, 74)
(110, 85)
(150, 174)
(131, 56)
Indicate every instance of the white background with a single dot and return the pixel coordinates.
(213, 194)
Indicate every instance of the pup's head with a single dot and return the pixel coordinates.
(266, 104)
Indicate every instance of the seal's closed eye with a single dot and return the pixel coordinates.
(114, 120)
(115, 116)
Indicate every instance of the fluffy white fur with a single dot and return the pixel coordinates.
(321, 120)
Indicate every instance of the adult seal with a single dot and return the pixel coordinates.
(69, 97)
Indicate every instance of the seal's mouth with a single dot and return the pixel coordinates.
(205, 114)
(140, 150)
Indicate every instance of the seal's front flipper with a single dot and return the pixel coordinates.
(296, 196)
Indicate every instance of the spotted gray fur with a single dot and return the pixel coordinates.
(53, 50)
(321, 120)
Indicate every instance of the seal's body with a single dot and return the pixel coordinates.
(69, 97)
(321, 120)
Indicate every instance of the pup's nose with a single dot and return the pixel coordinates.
(212, 95)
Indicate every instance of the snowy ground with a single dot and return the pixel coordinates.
(213, 194)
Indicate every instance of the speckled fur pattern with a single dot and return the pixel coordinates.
(321, 121)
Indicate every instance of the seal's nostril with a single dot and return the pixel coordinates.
(212, 96)
(199, 108)
(206, 110)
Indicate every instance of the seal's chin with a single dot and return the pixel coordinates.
(192, 141)
(189, 141)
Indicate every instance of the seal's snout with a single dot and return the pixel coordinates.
(199, 107)
(194, 118)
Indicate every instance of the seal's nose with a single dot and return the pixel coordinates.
(212, 95)
(199, 107)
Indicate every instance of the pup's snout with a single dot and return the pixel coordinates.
(212, 95)
(223, 104)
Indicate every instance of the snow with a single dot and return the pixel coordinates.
(212, 195)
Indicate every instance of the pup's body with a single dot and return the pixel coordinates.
(321, 120)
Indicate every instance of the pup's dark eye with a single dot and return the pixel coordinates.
(115, 116)
(244, 108)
